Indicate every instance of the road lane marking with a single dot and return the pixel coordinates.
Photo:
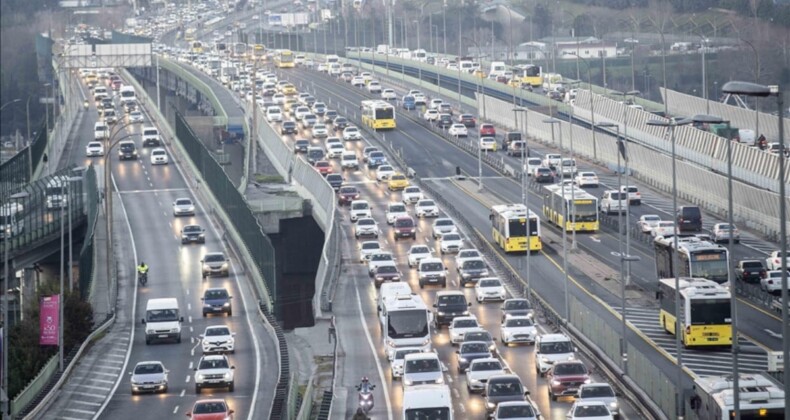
(183, 392)
(188, 377)
(383, 380)
(773, 334)
(175, 410)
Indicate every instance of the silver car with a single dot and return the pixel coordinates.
(602, 392)
(149, 376)
(721, 233)
(215, 263)
(480, 370)
(443, 225)
(183, 207)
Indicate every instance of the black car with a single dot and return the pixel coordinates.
(448, 306)
(471, 270)
(127, 150)
(544, 175)
(445, 120)
(301, 145)
(288, 127)
(193, 233)
(335, 181)
(329, 116)
(750, 271)
(340, 123)
(471, 350)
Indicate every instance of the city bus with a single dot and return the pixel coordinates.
(581, 207)
(509, 228)
(529, 75)
(284, 59)
(761, 397)
(378, 114)
(190, 34)
(696, 258)
(705, 305)
(259, 52)
(196, 47)
(239, 50)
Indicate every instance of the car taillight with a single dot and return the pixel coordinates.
(776, 261)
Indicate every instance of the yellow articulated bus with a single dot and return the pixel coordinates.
(581, 208)
(509, 227)
(284, 59)
(378, 114)
(197, 47)
(705, 306)
(529, 75)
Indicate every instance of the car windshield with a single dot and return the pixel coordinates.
(397, 208)
(468, 253)
(214, 258)
(366, 222)
(474, 348)
(217, 331)
(214, 363)
(376, 155)
(452, 300)
(419, 250)
(431, 266)
(504, 388)
(752, 264)
(475, 265)
(465, 323)
(597, 391)
(360, 206)
(209, 407)
(387, 269)
(651, 218)
(192, 228)
(404, 223)
(422, 366)
(148, 369)
(381, 257)
(517, 304)
(490, 283)
(426, 203)
(162, 315)
(444, 222)
(487, 365)
(591, 411)
(334, 177)
(385, 169)
(515, 412)
(216, 294)
(451, 237)
(557, 347)
(411, 190)
(348, 190)
(400, 354)
(371, 245)
(519, 322)
(570, 369)
(478, 336)
(398, 178)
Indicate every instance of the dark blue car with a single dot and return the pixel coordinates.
(217, 301)
(375, 159)
(408, 102)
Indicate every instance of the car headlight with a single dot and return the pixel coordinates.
(490, 405)
(465, 313)
(226, 376)
(206, 305)
(407, 381)
(442, 313)
(613, 405)
(545, 360)
(462, 360)
(587, 381)
(426, 341)
(226, 304)
(379, 278)
(440, 380)
(225, 266)
(555, 382)
(175, 330)
(199, 377)
(571, 357)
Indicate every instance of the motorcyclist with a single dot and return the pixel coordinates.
(142, 269)
(365, 386)
(365, 395)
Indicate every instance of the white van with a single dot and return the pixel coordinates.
(390, 290)
(432, 270)
(552, 348)
(100, 131)
(151, 137)
(274, 114)
(613, 201)
(497, 69)
(162, 320)
(99, 93)
(12, 222)
(427, 401)
(127, 94)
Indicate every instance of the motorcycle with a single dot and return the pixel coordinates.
(143, 278)
(86, 104)
(366, 396)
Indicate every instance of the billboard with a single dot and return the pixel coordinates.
(49, 321)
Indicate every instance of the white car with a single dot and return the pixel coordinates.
(458, 130)
(518, 330)
(384, 172)
(422, 368)
(136, 117)
(351, 133)
(412, 195)
(366, 226)
(214, 372)
(426, 208)
(532, 164)
(94, 148)
(480, 370)
(333, 140)
(348, 160)
(159, 156)
(379, 259)
(589, 410)
(489, 288)
(488, 144)
(450, 243)
(374, 87)
(218, 339)
(388, 95)
(663, 228)
(274, 114)
(419, 98)
(602, 392)
(587, 179)
(394, 211)
(552, 159)
(460, 326)
(183, 207)
(358, 81)
(434, 104)
(520, 410)
(772, 282)
(368, 248)
(466, 254)
(320, 131)
(647, 222)
(774, 261)
(366, 76)
(360, 209)
(278, 98)
(300, 112)
(398, 357)
(431, 115)
(417, 253)
(335, 150)
(442, 226)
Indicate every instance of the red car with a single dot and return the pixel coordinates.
(487, 130)
(565, 378)
(347, 194)
(323, 167)
(216, 409)
(468, 120)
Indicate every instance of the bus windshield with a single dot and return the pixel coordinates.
(710, 311)
(385, 113)
(712, 266)
(532, 71)
(585, 211)
(407, 324)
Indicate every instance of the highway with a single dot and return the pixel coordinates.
(146, 194)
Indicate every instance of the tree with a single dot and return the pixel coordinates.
(542, 20)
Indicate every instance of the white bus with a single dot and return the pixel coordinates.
(760, 398)
(696, 258)
(12, 222)
(427, 402)
(405, 321)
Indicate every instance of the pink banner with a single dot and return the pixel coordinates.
(48, 320)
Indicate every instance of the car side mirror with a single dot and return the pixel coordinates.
(201, 298)
(372, 387)
(201, 261)
(458, 352)
(526, 393)
(618, 394)
(230, 297)
(195, 369)
(468, 303)
(231, 411)
(435, 306)
(233, 367)
(143, 321)
(188, 414)
(181, 319)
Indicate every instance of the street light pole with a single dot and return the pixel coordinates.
(566, 315)
(671, 125)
